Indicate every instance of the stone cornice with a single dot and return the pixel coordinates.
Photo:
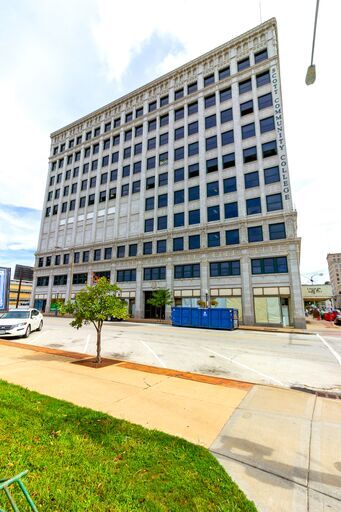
(184, 74)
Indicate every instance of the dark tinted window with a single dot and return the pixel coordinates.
(277, 231)
(271, 175)
(253, 206)
(251, 179)
(232, 236)
(255, 234)
(274, 202)
(213, 239)
(230, 185)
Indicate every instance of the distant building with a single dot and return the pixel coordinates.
(334, 266)
(24, 295)
(182, 184)
(319, 295)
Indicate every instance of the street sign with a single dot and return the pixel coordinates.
(5, 279)
(23, 273)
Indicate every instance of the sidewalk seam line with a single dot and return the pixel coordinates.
(309, 451)
(224, 456)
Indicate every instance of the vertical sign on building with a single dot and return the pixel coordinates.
(5, 279)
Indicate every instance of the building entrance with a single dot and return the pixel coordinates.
(151, 311)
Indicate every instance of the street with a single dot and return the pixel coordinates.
(281, 359)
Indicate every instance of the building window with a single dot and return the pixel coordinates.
(178, 244)
(163, 179)
(245, 86)
(179, 219)
(149, 203)
(212, 165)
(187, 271)
(127, 152)
(265, 101)
(211, 143)
(276, 265)
(208, 80)
(193, 242)
(105, 161)
(179, 133)
(210, 121)
(192, 88)
(107, 127)
(113, 175)
(138, 148)
(76, 257)
(231, 210)
(102, 196)
(226, 116)
(40, 262)
(209, 101)
(84, 184)
(85, 168)
(126, 275)
(232, 236)
(148, 225)
(179, 196)
(251, 179)
(213, 239)
(248, 130)
(43, 281)
(194, 217)
(108, 253)
(148, 248)
(262, 55)
(269, 149)
(120, 251)
(213, 213)
(267, 124)
(194, 193)
(277, 231)
(125, 190)
(161, 246)
(179, 114)
(151, 143)
(132, 250)
(129, 117)
(274, 202)
(97, 254)
(128, 135)
(162, 222)
(114, 157)
(93, 182)
(179, 94)
(225, 268)
(154, 273)
(163, 139)
(139, 112)
(192, 108)
(179, 174)
(64, 206)
(136, 167)
(136, 186)
(57, 259)
(228, 160)
(152, 125)
(250, 154)
(75, 172)
(230, 185)
(164, 101)
(253, 206)
(86, 256)
(162, 200)
(163, 158)
(72, 205)
(104, 178)
(164, 120)
(91, 199)
(193, 128)
(150, 183)
(227, 138)
(95, 149)
(212, 189)
(271, 175)
(224, 73)
(255, 234)
(243, 64)
(225, 94)
(80, 278)
(112, 193)
(263, 78)
(193, 149)
(179, 153)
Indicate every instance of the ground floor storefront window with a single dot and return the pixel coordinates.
(272, 310)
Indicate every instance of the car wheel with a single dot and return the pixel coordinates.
(40, 326)
(28, 331)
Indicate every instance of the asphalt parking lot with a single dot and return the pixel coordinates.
(280, 359)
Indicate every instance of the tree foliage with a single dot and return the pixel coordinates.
(160, 298)
(94, 304)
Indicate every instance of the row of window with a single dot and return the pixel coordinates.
(266, 124)
(164, 100)
(255, 234)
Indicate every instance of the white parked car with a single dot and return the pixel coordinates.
(20, 322)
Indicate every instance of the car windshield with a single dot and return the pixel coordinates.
(16, 314)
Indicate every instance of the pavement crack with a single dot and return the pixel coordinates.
(309, 452)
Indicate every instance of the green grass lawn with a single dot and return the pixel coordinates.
(82, 460)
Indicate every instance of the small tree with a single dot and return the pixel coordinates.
(94, 304)
(160, 298)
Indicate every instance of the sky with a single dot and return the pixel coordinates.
(62, 59)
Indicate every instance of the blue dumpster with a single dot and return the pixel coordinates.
(206, 318)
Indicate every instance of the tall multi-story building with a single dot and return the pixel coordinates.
(181, 184)
(334, 267)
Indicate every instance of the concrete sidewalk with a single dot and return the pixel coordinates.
(282, 447)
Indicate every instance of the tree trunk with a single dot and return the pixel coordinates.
(98, 359)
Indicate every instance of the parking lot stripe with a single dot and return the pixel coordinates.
(87, 343)
(152, 351)
(245, 366)
(335, 354)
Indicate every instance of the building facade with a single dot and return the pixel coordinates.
(334, 267)
(182, 184)
(20, 293)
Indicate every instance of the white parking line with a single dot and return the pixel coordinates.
(87, 343)
(245, 366)
(335, 354)
(154, 354)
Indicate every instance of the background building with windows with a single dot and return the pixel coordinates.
(24, 291)
(334, 267)
(181, 184)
